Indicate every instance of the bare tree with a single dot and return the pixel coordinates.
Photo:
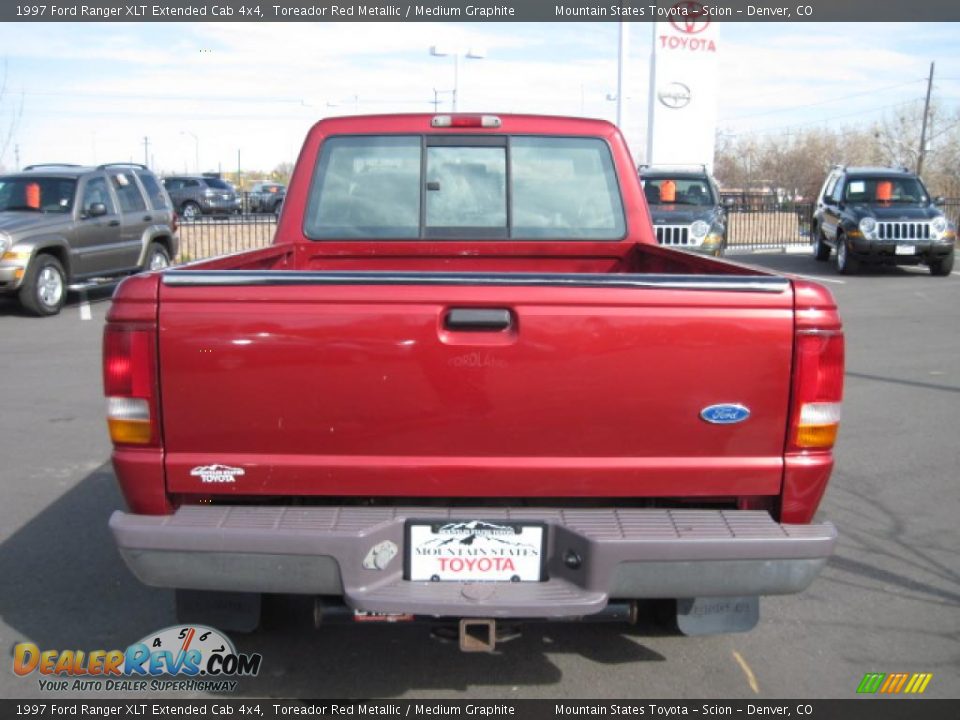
(282, 172)
(897, 139)
(794, 164)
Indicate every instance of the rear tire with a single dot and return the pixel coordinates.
(157, 258)
(846, 263)
(44, 289)
(822, 251)
(190, 211)
(942, 266)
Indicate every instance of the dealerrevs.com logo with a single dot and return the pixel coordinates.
(198, 657)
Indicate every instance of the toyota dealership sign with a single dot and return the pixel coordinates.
(682, 105)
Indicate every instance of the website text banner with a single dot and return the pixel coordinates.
(268, 709)
(684, 11)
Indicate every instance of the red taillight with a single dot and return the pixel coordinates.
(174, 222)
(817, 390)
(465, 121)
(129, 383)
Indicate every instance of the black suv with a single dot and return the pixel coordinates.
(63, 225)
(266, 197)
(877, 215)
(685, 208)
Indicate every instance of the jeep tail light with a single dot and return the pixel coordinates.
(817, 390)
(129, 384)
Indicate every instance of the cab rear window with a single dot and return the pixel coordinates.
(475, 187)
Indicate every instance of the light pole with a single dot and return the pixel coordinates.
(471, 54)
(623, 45)
(196, 149)
(436, 98)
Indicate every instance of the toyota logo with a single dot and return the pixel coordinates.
(676, 95)
(689, 11)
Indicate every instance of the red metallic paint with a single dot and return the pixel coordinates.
(359, 390)
(597, 392)
(807, 472)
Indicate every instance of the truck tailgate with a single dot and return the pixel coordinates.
(295, 384)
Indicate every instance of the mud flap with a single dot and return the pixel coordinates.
(717, 615)
(229, 611)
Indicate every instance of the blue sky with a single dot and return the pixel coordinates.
(91, 92)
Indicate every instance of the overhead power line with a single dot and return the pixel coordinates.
(839, 98)
(821, 121)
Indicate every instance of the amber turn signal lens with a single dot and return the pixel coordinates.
(817, 436)
(130, 432)
(128, 420)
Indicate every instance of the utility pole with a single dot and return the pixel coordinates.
(146, 150)
(923, 125)
(16, 156)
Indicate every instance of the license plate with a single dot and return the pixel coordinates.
(475, 551)
(906, 250)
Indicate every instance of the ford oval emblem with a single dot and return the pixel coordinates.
(725, 414)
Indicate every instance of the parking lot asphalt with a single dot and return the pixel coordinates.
(888, 601)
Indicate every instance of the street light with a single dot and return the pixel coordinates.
(471, 54)
(196, 157)
(622, 58)
(436, 98)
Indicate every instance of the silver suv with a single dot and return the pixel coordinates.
(196, 195)
(68, 225)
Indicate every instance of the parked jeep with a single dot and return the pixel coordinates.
(266, 197)
(66, 225)
(685, 208)
(196, 195)
(877, 215)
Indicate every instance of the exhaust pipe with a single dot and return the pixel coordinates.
(478, 634)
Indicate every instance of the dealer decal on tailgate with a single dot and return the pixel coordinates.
(475, 551)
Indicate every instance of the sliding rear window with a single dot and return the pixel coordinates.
(450, 187)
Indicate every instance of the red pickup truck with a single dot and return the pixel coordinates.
(465, 383)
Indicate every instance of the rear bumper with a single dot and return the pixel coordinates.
(214, 206)
(626, 554)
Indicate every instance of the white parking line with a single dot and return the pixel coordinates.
(85, 313)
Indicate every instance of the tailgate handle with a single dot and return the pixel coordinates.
(474, 319)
